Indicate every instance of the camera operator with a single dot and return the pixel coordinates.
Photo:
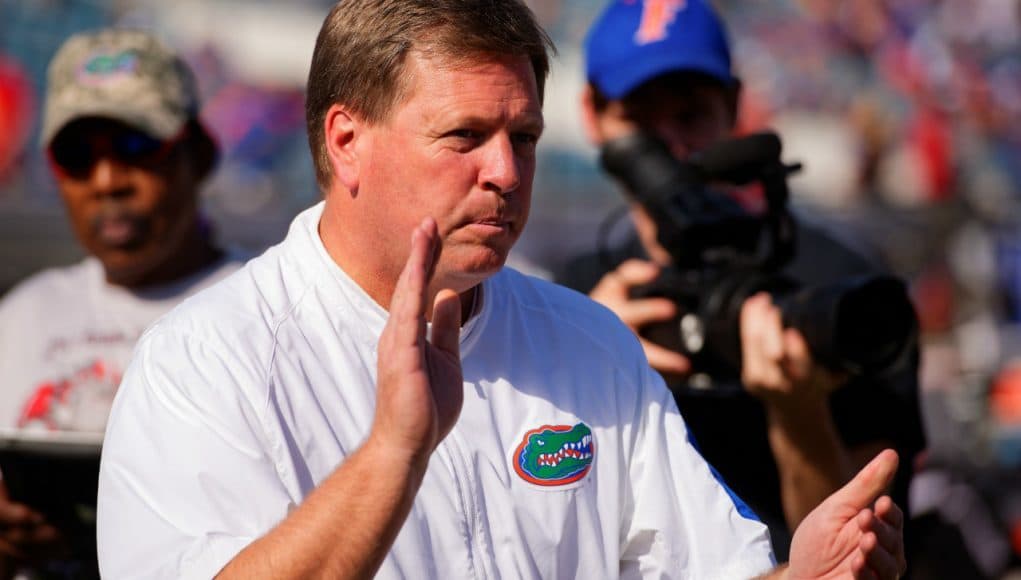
(796, 431)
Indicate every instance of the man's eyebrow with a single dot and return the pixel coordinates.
(531, 122)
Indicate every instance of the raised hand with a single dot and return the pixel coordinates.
(852, 534)
(419, 385)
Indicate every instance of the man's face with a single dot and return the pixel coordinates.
(460, 148)
(131, 199)
(688, 112)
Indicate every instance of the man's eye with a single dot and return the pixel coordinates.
(526, 138)
(688, 117)
(465, 134)
(526, 141)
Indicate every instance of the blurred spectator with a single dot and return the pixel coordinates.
(125, 144)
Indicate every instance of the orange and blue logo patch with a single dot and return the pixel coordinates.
(554, 455)
(657, 16)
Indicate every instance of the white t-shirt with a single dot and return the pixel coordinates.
(66, 336)
(569, 459)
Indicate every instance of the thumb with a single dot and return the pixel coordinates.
(871, 482)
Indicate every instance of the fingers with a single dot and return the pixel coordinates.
(20, 526)
(446, 322)
(762, 321)
(407, 307)
(636, 272)
(32, 542)
(614, 292)
(644, 311)
(778, 360)
(615, 287)
(797, 360)
(762, 344)
(665, 360)
(887, 526)
(879, 561)
(17, 514)
(22, 529)
(869, 483)
(889, 512)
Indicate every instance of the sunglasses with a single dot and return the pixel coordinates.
(75, 153)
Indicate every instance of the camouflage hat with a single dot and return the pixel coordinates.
(126, 75)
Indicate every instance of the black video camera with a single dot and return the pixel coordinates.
(722, 254)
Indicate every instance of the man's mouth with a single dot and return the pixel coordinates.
(493, 225)
(500, 223)
(119, 231)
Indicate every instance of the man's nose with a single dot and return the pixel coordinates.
(500, 171)
(679, 140)
(108, 177)
(679, 147)
(680, 150)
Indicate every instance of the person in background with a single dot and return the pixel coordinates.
(302, 419)
(129, 153)
(792, 432)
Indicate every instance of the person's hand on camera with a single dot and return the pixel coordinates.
(778, 369)
(25, 535)
(614, 292)
(777, 366)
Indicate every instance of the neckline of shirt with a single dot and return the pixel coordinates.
(376, 315)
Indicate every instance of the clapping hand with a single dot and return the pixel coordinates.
(852, 534)
(420, 385)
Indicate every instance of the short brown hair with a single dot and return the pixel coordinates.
(362, 49)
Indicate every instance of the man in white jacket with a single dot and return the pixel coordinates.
(304, 419)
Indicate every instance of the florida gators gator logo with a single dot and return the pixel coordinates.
(554, 455)
(103, 68)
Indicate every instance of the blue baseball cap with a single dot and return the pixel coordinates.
(634, 41)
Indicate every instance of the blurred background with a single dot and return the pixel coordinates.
(905, 113)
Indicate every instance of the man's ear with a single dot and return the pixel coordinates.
(733, 102)
(341, 130)
(203, 149)
(590, 116)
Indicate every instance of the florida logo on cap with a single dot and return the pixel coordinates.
(103, 67)
(554, 455)
(657, 16)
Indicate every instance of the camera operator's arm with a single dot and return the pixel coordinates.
(778, 370)
(25, 537)
(613, 291)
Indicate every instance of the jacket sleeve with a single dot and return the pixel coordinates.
(683, 522)
(183, 436)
